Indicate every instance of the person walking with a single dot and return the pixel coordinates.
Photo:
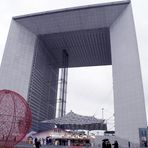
(104, 144)
(116, 145)
(35, 141)
(108, 144)
(38, 144)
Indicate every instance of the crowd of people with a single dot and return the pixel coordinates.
(107, 144)
(65, 142)
(61, 142)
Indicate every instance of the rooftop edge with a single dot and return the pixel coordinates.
(72, 9)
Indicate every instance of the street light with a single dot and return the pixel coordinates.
(102, 113)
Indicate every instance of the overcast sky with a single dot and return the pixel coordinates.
(89, 89)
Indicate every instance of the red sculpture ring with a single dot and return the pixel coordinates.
(15, 118)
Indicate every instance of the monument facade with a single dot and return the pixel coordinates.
(93, 35)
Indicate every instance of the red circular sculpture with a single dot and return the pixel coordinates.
(15, 118)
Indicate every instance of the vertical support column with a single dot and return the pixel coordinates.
(17, 60)
(63, 85)
(43, 87)
(130, 114)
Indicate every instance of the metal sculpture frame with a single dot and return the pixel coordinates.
(15, 118)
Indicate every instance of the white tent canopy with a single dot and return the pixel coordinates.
(75, 121)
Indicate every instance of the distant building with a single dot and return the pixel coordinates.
(93, 35)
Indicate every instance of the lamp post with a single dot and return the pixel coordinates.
(102, 113)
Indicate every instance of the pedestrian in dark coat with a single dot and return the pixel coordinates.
(116, 145)
(104, 144)
(38, 144)
(109, 144)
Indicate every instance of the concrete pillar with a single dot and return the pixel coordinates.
(130, 114)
